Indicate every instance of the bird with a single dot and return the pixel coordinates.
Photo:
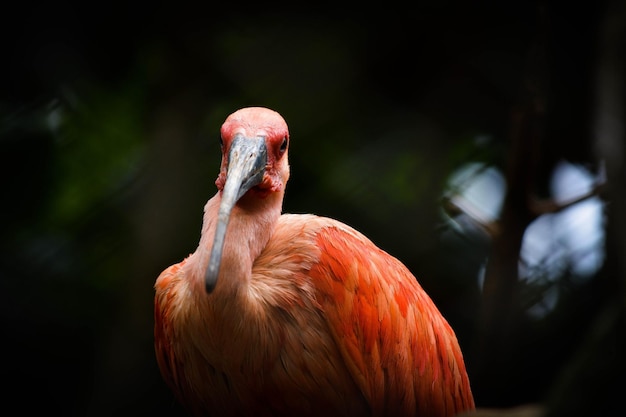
(279, 314)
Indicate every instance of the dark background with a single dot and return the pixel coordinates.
(109, 124)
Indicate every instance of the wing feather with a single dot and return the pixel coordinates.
(400, 350)
(167, 285)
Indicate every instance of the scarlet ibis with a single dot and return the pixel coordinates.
(296, 315)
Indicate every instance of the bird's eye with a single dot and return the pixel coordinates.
(283, 145)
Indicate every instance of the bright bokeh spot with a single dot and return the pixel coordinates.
(570, 241)
(479, 190)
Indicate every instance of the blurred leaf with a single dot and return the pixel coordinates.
(99, 147)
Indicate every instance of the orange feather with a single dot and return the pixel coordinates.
(308, 317)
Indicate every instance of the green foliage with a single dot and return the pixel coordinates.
(99, 144)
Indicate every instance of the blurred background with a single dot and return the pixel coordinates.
(482, 145)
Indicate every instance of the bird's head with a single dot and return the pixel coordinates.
(255, 143)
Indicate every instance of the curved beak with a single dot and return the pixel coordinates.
(246, 165)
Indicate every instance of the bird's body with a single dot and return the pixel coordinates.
(308, 318)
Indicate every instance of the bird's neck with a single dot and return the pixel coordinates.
(252, 222)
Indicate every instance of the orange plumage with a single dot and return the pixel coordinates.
(296, 315)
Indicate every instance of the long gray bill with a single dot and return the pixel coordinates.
(246, 165)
